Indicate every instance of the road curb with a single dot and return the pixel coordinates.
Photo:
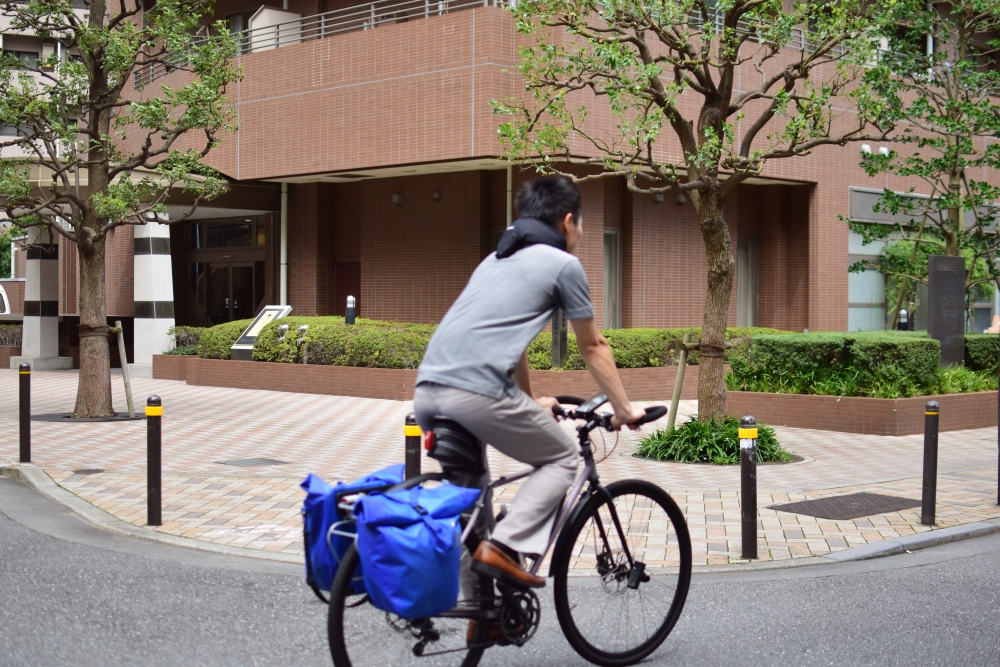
(898, 545)
(38, 480)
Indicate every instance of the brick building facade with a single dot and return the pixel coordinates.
(385, 139)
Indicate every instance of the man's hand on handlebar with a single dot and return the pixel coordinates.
(547, 403)
(632, 415)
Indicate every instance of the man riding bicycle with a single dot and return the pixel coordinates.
(475, 371)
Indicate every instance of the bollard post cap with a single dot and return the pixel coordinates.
(932, 407)
(24, 367)
(411, 419)
(153, 400)
(748, 420)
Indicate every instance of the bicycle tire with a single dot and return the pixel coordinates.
(370, 650)
(577, 599)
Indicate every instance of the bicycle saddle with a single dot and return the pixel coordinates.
(454, 447)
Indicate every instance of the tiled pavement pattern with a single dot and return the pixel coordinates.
(342, 438)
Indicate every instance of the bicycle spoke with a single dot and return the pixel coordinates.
(604, 618)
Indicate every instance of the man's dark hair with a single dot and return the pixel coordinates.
(549, 199)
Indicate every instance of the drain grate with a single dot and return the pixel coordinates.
(88, 471)
(852, 506)
(252, 463)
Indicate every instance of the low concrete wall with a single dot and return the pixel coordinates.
(640, 383)
(6, 352)
(875, 416)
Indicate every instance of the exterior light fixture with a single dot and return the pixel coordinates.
(658, 198)
(396, 199)
(282, 332)
(300, 343)
(884, 150)
(436, 195)
(680, 198)
(866, 149)
(351, 309)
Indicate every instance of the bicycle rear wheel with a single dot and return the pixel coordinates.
(604, 620)
(362, 636)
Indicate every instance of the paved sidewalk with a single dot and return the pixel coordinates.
(342, 438)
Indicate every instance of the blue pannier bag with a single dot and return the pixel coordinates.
(323, 550)
(409, 543)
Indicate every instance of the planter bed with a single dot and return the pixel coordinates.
(874, 416)
(641, 384)
(6, 352)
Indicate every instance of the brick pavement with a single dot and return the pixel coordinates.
(341, 438)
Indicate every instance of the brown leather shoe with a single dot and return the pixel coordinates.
(493, 562)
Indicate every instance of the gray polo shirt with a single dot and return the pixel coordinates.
(505, 305)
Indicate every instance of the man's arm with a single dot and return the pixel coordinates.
(595, 351)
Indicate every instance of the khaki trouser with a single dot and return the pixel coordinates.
(521, 429)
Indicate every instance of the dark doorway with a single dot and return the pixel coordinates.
(348, 284)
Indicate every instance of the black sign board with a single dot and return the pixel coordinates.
(946, 306)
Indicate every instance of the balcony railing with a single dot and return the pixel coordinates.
(318, 26)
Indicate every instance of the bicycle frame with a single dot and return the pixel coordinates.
(589, 474)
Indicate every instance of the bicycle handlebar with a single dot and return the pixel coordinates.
(588, 409)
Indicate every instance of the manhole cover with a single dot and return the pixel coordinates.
(88, 471)
(852, 506)
(251, 463)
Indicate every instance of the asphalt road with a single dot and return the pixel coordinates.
(74, 594)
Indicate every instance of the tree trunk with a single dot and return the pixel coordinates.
(93, 394)
(719, 251)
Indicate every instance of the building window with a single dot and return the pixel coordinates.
(612, 279)
(27, 58)
(746, 282)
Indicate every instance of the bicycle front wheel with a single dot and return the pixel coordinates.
(362, 636)
(612, 612)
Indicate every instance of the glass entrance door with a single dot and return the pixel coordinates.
(230, 291)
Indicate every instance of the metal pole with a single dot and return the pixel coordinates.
(154, 486)
(998, 427)
(283, 273)
(748, 484)
(121, 353)
(931, 414)
(678, 384)
(412, 434)
(24, 375)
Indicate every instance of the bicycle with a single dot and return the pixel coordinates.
(618, 550)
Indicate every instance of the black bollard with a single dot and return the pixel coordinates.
(154, 485)
(748, 484)
(412, 434)
(927, 506)
(24, 374)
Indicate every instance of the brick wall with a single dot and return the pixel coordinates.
(6, 352)
(876, 416)
(15, 293)
(641, 384)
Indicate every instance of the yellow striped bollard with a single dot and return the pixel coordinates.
(748, 484)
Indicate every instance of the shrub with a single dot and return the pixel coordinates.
(328, 341)
(641, 348)
(709, 442)
(960, 380)
(877, 364)
(981, 352)
(215, 342)
(185, 339)
(10, 334)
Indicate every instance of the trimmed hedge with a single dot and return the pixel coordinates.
(215, 342)
(877, 364)
(982, 352)
(643, 348)
(10, 335)
(330, 342)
